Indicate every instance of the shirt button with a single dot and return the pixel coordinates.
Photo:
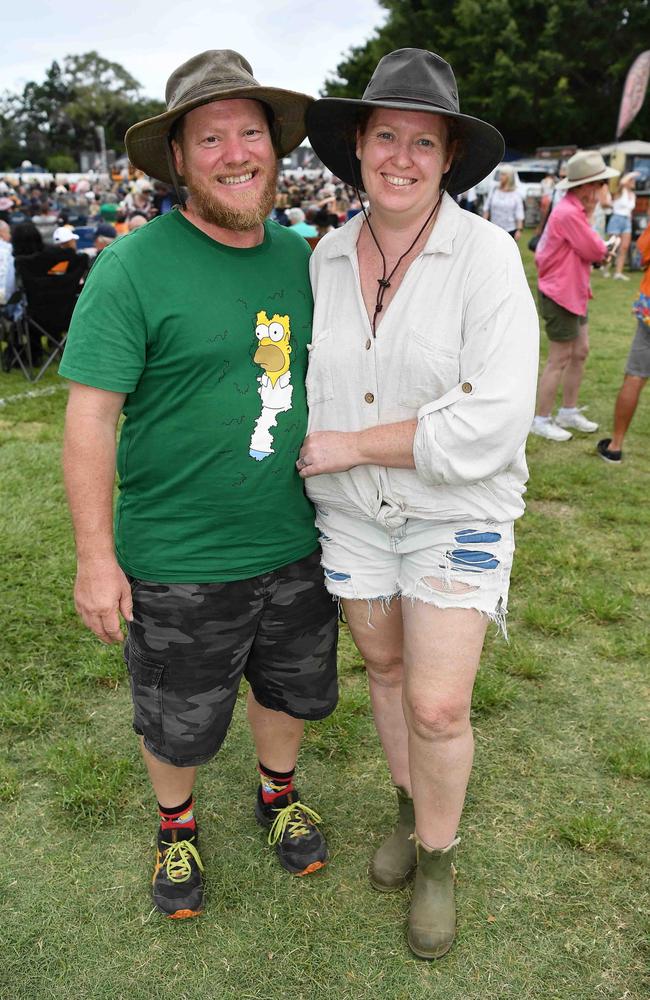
(369, 398)
(466, 386)
(368, 344)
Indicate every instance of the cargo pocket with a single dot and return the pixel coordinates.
(146, 690)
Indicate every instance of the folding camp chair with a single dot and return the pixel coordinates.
(50, 283)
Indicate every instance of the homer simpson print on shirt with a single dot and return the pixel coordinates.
(275, 389)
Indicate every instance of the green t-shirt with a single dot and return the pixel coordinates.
(209, 343)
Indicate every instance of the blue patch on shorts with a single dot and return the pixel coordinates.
(468, 535)
(472, 560)
(333, 574)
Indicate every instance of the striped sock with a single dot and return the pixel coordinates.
(179, 817)
(274, 784)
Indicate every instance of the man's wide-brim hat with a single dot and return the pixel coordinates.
(584, 167)
(404, 80)
(215, 75)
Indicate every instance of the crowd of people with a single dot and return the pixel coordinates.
(586, 229)
(89, 214)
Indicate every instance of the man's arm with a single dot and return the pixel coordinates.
(101, 589)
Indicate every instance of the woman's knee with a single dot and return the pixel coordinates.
(385, 668)
(439, 720)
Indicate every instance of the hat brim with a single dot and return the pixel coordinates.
(602, 175)
(331, 129)
(146, 141)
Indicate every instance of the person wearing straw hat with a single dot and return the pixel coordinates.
(196, 327)
(420, 387)
(565, 254)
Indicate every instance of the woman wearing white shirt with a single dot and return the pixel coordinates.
(620, 221)
(420, 388)
(505, 207)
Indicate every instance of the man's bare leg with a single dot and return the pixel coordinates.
(575, 369)
(559, 356)
(624, 409)
(277, 736)
(172, 785)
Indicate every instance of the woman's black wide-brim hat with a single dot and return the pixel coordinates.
(406, 80)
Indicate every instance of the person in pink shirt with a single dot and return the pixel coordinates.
(565, 254)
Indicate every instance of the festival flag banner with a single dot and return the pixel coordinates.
(634, 92)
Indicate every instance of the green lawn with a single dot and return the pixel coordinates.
(552, 890)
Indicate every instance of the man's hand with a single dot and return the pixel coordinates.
(328, 451)
(102, 592)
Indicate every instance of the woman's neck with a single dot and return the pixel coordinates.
(395, 233)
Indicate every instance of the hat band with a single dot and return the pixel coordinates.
(588, 177)
(209, 89)
(436, 101)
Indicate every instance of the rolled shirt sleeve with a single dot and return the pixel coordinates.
(583, 239)
(474, 431)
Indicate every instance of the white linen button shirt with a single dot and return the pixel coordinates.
(456, 348)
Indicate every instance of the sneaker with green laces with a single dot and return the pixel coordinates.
(177, 884)
(293, 831)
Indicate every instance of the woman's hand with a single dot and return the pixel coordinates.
(328, 451)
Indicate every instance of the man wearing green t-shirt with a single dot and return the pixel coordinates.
(195, 327)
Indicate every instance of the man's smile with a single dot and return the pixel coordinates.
(238, 178)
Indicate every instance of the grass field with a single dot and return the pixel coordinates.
(552, 891)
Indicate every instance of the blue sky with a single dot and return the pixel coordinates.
(289, 44)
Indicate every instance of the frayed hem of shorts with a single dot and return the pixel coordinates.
(497, 617)
(384, 604)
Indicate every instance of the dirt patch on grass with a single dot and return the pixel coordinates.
(24, 430)
(552, 508)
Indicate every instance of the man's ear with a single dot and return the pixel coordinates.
(177, 153)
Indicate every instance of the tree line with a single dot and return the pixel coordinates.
(545, 72)
(52, 122)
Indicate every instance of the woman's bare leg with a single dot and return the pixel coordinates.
(378, 635)
(626, 239)
(442, 648)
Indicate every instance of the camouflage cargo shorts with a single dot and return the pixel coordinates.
(190, 644)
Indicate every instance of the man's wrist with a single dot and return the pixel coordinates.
(93, 556)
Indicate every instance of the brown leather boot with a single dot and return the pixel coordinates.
(394, 862)
(432, 917)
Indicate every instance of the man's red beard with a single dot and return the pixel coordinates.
(254, 208)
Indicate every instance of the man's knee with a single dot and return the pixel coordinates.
(580, 351)
(559, 356)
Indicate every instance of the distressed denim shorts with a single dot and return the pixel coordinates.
(189, 645)
(617, 225)
(465, 564)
